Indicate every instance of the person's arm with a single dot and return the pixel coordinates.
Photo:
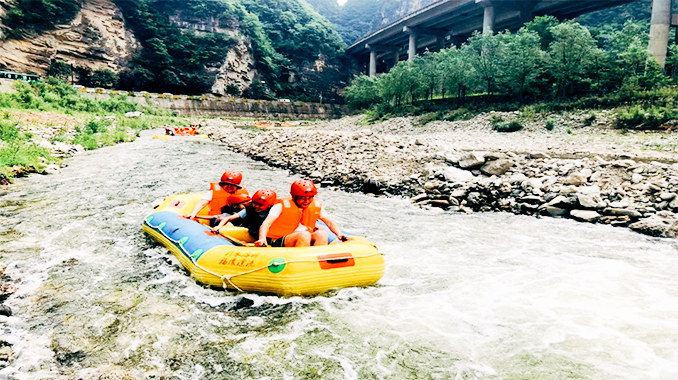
(275, 212)
(229, 219)
(202, 203)
(333, 226)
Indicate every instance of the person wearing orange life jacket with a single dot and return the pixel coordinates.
(291, 222)
(217, 198)
(254, 213)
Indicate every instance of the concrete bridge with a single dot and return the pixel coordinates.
(451, 22)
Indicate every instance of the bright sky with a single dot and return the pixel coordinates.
(341, 2)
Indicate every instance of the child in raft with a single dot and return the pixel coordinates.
(253, 214)
(218, 198)
(292, 221)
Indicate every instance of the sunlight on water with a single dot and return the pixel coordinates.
(464, 296)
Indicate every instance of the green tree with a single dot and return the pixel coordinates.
(486, 52)
(104, 78)
(60, 69)
(542, 26)
(570, 55)
(523, 60)
(362, 92)
(457, 72)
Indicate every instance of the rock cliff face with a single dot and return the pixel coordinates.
(96, 39)
(238, 68)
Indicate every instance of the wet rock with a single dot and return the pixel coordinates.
(590, 201)
(660, 225)
(5, 310)
(442, 203)
(585, 215)
(474, 199)
(531, 199)
(420, 197)
(622, 211)
(555, 211)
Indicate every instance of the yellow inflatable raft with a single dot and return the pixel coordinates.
(229, 261)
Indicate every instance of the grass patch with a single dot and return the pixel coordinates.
(16, 149)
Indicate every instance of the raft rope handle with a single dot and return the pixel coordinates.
(229, 277)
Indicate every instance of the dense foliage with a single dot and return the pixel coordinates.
(296, 51)
(543, 60)
(308, 54)
(39, 15)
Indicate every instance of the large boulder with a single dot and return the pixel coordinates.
(497, 167)
(472, 160)
(663, 224)
(452, 174)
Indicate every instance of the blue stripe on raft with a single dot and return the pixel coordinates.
(331, 236)
(177, 228)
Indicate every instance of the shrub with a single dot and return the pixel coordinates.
(550, 125)
(511, 126)
(8, 130)
(495, 121)
(528, 113)
(638, 117)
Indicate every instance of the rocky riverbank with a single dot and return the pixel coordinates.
(581, 169)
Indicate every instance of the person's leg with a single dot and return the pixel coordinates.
(319, 237)
(298, 239)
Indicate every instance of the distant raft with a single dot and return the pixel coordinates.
(177, 137)
(230, 261)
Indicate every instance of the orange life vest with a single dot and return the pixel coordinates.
(220, 198)
(290, 217)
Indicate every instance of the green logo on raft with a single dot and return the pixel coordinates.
(276, 265)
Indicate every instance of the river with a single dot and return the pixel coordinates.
(483, 296)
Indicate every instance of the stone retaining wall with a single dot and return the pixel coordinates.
(208, 105)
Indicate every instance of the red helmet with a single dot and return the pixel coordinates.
(303, 188)
(238, 198)
(264, 197)
(231, 177)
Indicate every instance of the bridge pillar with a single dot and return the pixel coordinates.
(660, 26)
(412, 47)
(373, 62)
(488, 16)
